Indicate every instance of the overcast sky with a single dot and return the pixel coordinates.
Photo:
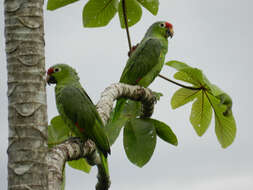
(213, 35)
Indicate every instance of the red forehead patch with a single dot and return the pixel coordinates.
(168, 25)
(50, 71)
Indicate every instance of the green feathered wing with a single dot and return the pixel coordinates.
(142, 68)
(78, 111)
(145, 63)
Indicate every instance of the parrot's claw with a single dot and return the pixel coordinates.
(132, 50)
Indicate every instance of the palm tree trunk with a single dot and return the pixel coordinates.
(27, 150)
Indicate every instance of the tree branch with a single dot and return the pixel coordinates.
(118, 90)
(74, 148)
(58, 155)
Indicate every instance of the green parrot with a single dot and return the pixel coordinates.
(146, 60)
(77, 110)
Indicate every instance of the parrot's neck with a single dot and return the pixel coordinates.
(158, 36)
(67, 81)
(151, 33)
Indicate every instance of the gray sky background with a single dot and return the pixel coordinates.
(213, 35)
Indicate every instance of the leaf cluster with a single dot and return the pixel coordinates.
(98, 13)
(140, 138)
(208, 99)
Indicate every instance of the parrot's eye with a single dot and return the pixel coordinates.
(57, 70)
(162, 25)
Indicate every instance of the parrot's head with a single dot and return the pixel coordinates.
(161, 28)
(61, 73)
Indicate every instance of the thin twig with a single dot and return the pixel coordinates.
(178, 84)
(126, 24)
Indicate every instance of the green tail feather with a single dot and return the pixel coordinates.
(119, 108)
(123, 111)
(104, 164)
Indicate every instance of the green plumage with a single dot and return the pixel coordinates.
(143, 66)
(77, 109)
(146, 61)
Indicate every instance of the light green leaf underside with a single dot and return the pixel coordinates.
(157, 95)
(183, 96)
(177, 65)
(216, 91)
(80, 164)
(225, 126)
(98, 13)
(139, 141)
(55, 4)
(211, 97)
(164, 132)
(58, 131)
(188, 74)
(133, 12)
(201, 114)
(151, 5)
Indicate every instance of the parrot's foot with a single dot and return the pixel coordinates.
(89, 143)
(132, 50)
(92, 157)
(75, 140)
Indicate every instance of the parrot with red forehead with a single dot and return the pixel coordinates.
(77, 110)
(146, 60)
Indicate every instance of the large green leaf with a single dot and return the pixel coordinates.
(201, 114)
(211, 97)
(151, 5)
(80, 164)
(97, 13)
(113, 129)
(225, 126)
(188, 74)
(164, 132)
(131, 109)
(58, 131)
(226, 101)
(139, 141)
(224, 98)
(183, 96)
(55, 4)
(178, 65)
(183, 76)
(133, 12)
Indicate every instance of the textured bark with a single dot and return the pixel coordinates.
(118, 90)
(74, 149)
(57, 157)
(24, 35)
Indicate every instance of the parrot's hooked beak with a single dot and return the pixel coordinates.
(170, 32)
(50, 80)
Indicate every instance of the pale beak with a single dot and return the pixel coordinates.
(170, 32)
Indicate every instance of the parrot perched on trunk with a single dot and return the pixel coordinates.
(146, 60)
(77, 110)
